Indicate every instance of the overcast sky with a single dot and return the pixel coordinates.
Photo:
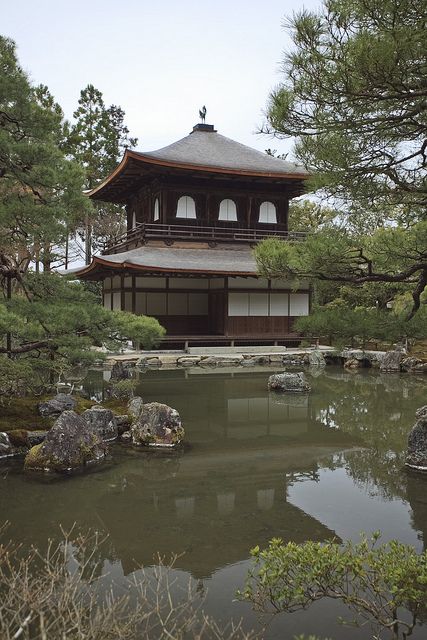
(160, 61)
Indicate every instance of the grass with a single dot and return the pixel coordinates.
(22, 413)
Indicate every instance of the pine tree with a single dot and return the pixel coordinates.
(97, 140)
(46, 323)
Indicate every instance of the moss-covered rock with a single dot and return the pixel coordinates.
(71, 444)
(157, 425)
(289, 382)
(102, 422)
(55, 406)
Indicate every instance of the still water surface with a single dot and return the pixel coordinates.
(258, 465)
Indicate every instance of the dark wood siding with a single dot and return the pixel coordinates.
(258, 325)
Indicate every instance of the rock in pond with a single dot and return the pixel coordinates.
(158, 425)
(292, 382)
(102, 421)
(416, 456)
(55, 406)
(70, 445)
(135, 406)
(124, 423)
(6, 447)
(353, 363)
(391, 360)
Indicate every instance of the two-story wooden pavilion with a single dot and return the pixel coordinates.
(195, 209)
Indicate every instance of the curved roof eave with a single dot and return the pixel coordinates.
(146, 159)
(98, 261)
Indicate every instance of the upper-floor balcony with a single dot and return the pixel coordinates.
(170, 233)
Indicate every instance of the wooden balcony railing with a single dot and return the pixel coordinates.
(171, 232)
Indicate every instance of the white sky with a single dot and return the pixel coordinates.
(160, 61)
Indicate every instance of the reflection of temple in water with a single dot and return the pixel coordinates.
(211, 511)
(231, 403)
(225, 492)
(211, 508)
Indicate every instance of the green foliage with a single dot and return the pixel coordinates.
(384, 585)
(48, 324)
(305, 215)
(390, 256)
(342, 324)
(53, 325)
(40, 189)
(122, 389)
(97, 140)
(99, 135)
(353, 94)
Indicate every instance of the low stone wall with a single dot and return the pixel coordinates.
(222, 360)
(390, 361)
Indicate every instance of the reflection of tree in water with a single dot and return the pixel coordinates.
(379, 410)
(417, 498)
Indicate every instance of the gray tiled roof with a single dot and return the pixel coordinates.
(235, 260)
(208, 148)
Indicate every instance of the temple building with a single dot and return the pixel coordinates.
(195, 210)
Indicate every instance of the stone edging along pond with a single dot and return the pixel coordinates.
(386, 361)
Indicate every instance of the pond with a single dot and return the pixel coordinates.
(258, 465)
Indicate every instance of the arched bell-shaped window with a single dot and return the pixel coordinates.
(186, 207)
(267, 213)
(227, 211)
(156, 212)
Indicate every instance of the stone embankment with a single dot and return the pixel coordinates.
(294, 357)
(395, 360)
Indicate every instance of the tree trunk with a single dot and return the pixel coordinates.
(8, 297)
(88, 240)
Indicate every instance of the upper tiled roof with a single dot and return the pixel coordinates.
(204, 151)
(210, 149)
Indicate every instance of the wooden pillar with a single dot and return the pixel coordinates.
(163, 206)
(122, 291)
(226, 306)
(207, 212)
(286, 214)
(249, 214)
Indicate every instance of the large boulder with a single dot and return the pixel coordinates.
(413, 365)
(353, 363)
(55, 406)
(316, 359)
(409, 363)
(71, 444)
(416, 457)
(288, 382)
(102, 421)
(392, 360)
(6, 447)
(135, 406)
(158, 425)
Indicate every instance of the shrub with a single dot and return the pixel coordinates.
(383, 585)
